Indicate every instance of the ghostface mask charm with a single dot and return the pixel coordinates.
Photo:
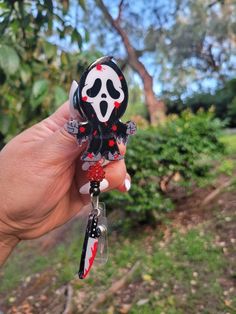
(100, 100)
(97, 103)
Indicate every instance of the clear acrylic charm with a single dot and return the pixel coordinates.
(102, 250)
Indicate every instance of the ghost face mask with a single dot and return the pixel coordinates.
(103, 93)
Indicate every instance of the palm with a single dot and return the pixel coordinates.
(44, 182)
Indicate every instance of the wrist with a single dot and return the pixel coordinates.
(7, 243)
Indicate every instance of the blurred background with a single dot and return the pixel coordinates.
(172, 240)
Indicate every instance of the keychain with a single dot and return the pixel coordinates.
(99, 100)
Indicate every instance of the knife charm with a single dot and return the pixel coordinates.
(90, 246)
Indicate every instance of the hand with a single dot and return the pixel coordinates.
(42, 181)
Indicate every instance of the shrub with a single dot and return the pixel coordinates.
(223, 100)
(184, 145)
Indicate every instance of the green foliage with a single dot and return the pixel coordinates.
(229, 140)
(136, 102)
(223, 100)
(227, 167)
(184, 147)
(35, 73)
(9, 59)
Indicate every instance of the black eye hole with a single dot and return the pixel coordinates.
(111, 90)
(94, 90)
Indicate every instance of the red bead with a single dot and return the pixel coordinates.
(84, 98)
(82, 129)
(96, 172)
(114, 128)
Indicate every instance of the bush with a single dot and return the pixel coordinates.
(183, 146)
(223, 100)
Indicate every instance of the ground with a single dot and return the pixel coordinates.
(186, 265)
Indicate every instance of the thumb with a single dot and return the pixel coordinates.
(61, 146)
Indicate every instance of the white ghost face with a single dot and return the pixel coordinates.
(103, 90)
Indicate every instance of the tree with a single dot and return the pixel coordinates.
(200, 45)
(185, 45)
(156, 108)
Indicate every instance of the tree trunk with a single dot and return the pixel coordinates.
(156, 108)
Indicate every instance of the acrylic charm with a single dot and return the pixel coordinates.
(95, 241)
(97, 103)
(100, 100)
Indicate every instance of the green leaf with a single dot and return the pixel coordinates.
(25, 73)
(60, 95)
(39, 88)
(64, 58)
(9, 59)
(4, 123)
(39, 92)
(76, 37)
(49, 49)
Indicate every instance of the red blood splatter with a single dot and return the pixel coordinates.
(117, 104)
(95, 132)
(111, 143)
(90, 155)
(121, 77)
(82, 129)
(91, 260)
(114, 128)
(84, 98)
(99, 67)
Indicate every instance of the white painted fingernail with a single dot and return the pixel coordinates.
(127, 184)
(85, 188)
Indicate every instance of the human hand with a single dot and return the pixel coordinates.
(43, 183)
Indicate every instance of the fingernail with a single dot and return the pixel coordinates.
(127, 184)
(85, 188)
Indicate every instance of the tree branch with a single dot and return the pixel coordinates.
(120, 7)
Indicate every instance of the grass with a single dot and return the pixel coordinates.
(181, 276)
(230, 142)
(176, 277)
(24, 263)
(186, 272)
